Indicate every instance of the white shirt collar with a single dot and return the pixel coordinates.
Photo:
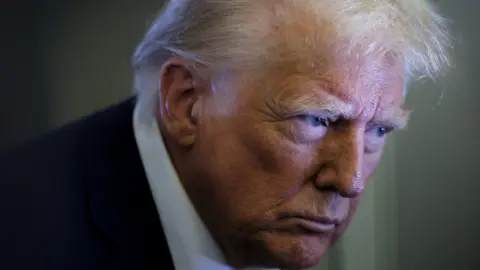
(191, 245)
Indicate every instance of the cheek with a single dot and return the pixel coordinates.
(272, 154)
(243, 168)
(263, 154)
(278, 159)
(257, 170)
(371, 162)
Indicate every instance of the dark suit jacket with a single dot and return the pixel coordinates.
(79, 199)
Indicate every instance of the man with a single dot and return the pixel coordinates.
(256, 126)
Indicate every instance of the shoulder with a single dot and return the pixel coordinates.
(44, 186)
(65, 150)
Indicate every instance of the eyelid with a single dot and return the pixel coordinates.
(387, 126)
(371, 131)
(330, 116)
(326, 113)
(306, 133)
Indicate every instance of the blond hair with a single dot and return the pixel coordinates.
(239, 33)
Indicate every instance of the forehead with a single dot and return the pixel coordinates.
(309, 57)
(368, 86)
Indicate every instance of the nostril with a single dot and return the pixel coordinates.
(352, 188)
(346, 183)
(351, 194)
(329, 175)
(357, 183)
(325, 179)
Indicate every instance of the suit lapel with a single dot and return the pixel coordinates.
(121, 203)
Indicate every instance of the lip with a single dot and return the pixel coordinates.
(318, 225)
(315, 226)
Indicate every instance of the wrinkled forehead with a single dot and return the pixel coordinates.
(338, 73)
(347, 84)
(305, 56)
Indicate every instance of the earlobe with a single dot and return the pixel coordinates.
(179, 93)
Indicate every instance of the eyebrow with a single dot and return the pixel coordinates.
(313, 103)
(394, 117)
(331, 106)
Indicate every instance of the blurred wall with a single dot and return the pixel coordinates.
(438, 160)
(23, 89)
(87, 50)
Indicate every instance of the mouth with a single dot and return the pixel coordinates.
(308, 224)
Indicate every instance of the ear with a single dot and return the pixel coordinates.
(180, 87)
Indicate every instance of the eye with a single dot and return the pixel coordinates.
(315, 121)
(381, 131)
(375, 138)
(309, 128)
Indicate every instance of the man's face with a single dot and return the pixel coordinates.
(281, 158)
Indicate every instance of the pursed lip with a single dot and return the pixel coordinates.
(312, 224)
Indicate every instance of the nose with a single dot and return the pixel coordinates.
(341, 170)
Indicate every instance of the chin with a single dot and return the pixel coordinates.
(292, 251)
